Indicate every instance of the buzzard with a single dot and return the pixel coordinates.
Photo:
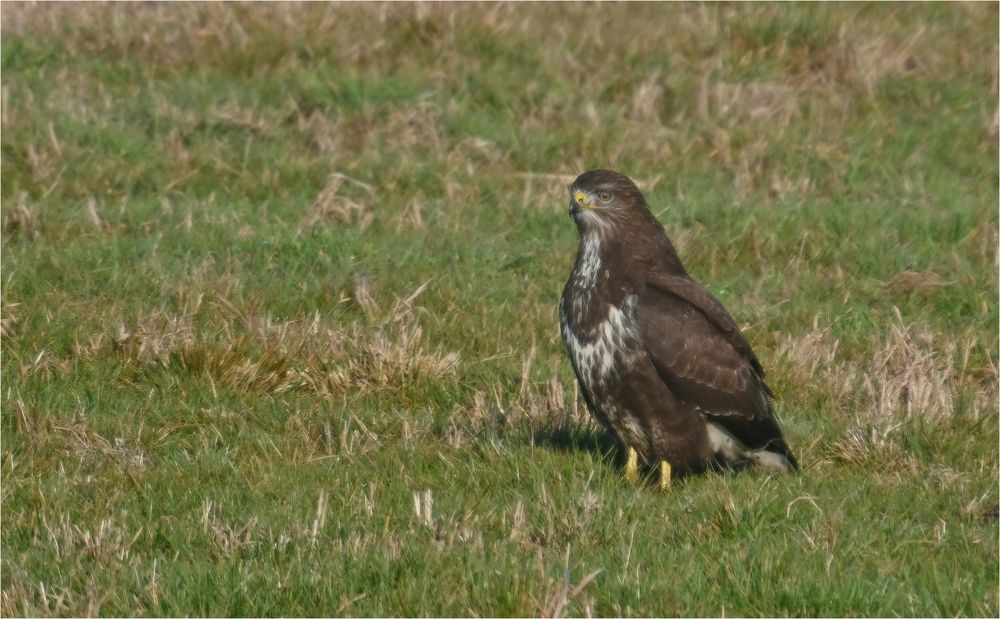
(661, 364)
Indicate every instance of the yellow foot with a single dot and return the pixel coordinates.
(632, 466)
(665, 474)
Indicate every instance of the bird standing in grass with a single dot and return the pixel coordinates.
(661, 364)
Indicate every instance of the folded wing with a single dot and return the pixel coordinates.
(700, 354)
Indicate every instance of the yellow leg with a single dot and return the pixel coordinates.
(665, 473)
(632, 466)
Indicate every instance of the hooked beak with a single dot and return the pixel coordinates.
(578, 202)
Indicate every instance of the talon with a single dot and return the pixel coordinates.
(632, 466)
(665, 474)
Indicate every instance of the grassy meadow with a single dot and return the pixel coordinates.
(279, 306)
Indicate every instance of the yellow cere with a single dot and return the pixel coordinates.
(581, 198)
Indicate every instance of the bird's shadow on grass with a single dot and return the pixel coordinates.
(572, 437)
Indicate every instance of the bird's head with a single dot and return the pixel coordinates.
(599, 199)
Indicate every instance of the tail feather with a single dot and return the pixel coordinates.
(772, 452)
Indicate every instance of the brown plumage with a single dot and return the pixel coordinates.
(661, 363)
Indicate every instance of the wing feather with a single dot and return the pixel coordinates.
(700, 354)
(696, 296)
(697, 361)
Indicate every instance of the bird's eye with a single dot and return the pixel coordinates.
(604, 196)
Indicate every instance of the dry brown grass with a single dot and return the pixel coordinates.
(867, 443)
(8, 319)
(812, 358)
(909, 372)
(246, 350)
(107, 542)
(858, 54)
(861, 58)
(922, 283)
(389, 358)
(88, 444)
(19, 218)
(912, 374)
(331, 203)
(151, 337)
(227, 540)
(735, 103)
(241, 346)
(839, 70)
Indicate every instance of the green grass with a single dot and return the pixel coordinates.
(221, 396)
